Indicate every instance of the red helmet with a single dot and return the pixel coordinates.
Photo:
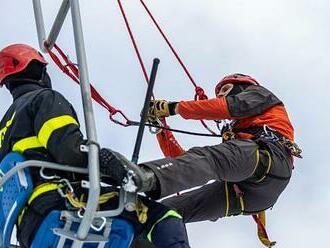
(15, 58)
(235, 79)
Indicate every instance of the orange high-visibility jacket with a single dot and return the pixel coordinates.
(254, 107)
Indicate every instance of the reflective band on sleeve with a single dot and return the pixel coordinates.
(27, 143)
(227, 199)
(52, 125)
(170, 213)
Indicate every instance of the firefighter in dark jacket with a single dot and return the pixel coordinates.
(42, 125)
(252, 166)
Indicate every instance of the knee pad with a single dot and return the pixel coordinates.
(170, 232)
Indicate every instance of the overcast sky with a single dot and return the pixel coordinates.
(284, 44)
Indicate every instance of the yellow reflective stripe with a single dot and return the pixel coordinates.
(52, 125)
(170, 213)
(27, 143)
(257, 163)
(41, 189)
(241, 202)
(268, 168)
(4, 130)
(20, 217)
(11, 120)
(227, 199)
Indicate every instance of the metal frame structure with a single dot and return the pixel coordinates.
(92, 145)
(126, 199)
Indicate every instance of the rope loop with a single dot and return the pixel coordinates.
(200, 94)
(72, 70)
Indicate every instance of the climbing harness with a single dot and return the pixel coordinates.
(267, 133)
(263, 133)
(226, 130)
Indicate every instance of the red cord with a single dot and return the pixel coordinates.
(72, 71)
(136, 48)
(199, 92)
(169, 44)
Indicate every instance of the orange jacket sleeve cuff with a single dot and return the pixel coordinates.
(210, 109)
(168, 144)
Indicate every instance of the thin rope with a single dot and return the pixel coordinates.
(131, 35)
(169, 44)
(72, 71)
(199, 91)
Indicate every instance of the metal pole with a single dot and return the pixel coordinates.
(58, 23)
(135, 156)
(39, 24)
(93, 157)
(41, 164)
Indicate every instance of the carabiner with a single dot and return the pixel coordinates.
(124, 124)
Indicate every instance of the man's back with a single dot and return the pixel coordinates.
(37, 122)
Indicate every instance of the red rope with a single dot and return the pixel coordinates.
(133, 40)
(131, 35)
(169, 43)
(72, 71)
(199, 92)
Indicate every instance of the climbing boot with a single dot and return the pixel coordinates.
(123, 172)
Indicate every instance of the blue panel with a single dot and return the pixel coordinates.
(13, 196)
(121, 234)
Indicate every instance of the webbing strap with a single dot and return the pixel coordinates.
(72, 71)
(260, 219)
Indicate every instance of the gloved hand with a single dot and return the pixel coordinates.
(160, 109)
(117, 168)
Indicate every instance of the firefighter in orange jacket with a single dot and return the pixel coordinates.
(254, 159)
(251, 168)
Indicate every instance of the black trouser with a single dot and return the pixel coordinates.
(170, 229)
(240, 162)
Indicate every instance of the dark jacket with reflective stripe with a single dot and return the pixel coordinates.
(37, 122)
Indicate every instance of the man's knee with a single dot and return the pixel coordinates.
(168, 232)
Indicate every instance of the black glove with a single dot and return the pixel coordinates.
(115, 166)
(111, 166)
